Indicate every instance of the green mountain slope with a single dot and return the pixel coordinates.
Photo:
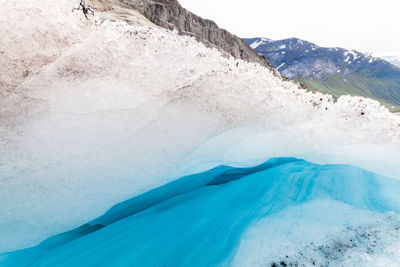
(357, 85)
(336, 71)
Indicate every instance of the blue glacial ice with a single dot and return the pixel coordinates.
(202, 219)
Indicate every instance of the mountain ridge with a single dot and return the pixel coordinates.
(393, 59)
(334, 70)
(171, 15)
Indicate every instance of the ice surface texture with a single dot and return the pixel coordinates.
(199, 220)
(94, 112)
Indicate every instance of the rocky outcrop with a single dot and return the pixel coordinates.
(171, 15)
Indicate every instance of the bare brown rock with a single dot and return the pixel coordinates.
(171, 15)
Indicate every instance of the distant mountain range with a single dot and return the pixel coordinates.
(394, 59)
(336, 71)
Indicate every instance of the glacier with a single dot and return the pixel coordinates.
(110, 110)
(200, 219)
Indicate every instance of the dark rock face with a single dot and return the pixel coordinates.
(171, 15)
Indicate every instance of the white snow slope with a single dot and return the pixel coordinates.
(96, 111)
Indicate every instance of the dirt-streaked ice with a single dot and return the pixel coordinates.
(94, 112)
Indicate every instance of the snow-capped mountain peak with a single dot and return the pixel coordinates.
(258, 42)
(283, 51)
(336, 70)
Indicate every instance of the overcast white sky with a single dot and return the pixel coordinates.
(366, 26)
